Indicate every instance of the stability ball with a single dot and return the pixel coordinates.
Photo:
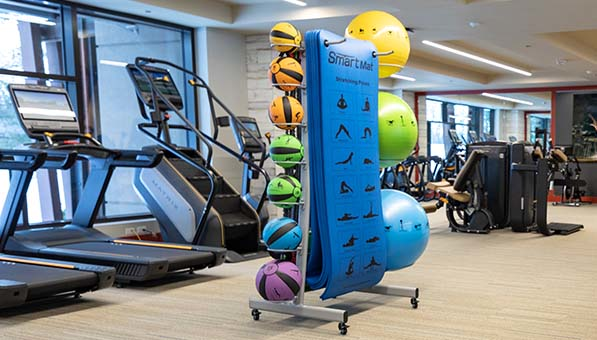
(387, 34)
(406, 226)
(398, 130)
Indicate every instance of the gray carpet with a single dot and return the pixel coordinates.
(498, 286)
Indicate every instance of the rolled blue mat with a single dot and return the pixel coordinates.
(348, 247)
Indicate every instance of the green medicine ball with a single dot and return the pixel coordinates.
(284, 189)
(286, 151)
(398, 130)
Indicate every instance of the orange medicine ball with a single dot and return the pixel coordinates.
(284, 110)
(285, 73)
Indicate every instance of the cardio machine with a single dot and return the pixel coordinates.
(47, 116)
(189, 197)
(455, 158)
(27, 279)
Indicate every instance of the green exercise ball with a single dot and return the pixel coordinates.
(398, 131)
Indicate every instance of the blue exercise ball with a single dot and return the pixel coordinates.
(282, 234)
(406, 226)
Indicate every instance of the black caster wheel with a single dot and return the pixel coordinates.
(255, 313)
(414, 302)
(77, 296)
(343, 328)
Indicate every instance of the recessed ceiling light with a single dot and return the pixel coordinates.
(477, 58)
(398, 76)
(113, 63)
(495, 96)
(297, 2)
(474, 24)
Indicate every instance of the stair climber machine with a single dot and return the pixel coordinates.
(47, 116)
(28, 279)
(189, 197)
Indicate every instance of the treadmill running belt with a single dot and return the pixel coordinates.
(176, 258)
(45, 281)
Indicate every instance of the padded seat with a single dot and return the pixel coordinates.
(559, 156)
(436, 185)
(457, 191)
(429, 208)
(460, 196)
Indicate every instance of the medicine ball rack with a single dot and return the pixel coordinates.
(297, 307)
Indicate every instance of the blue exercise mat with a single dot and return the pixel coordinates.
(348, 247)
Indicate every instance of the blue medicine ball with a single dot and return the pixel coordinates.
(406, 226)
(282, 234)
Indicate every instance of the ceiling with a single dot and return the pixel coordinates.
(553, 39)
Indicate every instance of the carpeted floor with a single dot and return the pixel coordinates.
(498, 286)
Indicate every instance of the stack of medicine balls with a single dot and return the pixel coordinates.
(280, 280)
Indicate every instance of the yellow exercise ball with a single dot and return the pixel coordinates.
(387, 33)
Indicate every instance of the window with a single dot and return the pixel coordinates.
(108, 45)
(31, 38)
(39, 40)
(434, 111)
(443, 116)
(31, 52)
(488, 121)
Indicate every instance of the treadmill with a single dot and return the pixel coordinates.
(27, 279)
(47, 116)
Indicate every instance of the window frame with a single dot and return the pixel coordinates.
(475, 123)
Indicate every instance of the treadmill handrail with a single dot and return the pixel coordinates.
(61, 160)
(9, 161)
(141, 61)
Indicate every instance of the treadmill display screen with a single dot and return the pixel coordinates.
(36, 105)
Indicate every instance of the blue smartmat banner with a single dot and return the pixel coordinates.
(348, 248)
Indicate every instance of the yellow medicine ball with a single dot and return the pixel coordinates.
(387, 33)
(285, 37)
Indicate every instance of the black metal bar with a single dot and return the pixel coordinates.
(29, 74)
(541, 190)
(17, 194)
(93, 194)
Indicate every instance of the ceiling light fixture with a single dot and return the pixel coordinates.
(398, 76)
(113, 63)
(477, 58)
(297, 2)
(34, 19)
(495, 96)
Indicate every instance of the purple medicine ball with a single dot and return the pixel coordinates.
(278, 280)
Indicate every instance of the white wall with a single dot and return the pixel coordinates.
(510, 123)
(221, 60)
(260, 95)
